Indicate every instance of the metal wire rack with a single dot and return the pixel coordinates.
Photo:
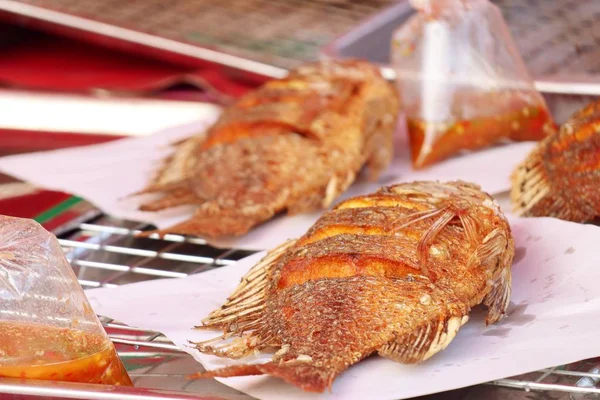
(106, 252)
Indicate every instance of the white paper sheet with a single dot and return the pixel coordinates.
(554, 319)
(107, 174)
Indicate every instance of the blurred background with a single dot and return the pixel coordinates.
(66, 65)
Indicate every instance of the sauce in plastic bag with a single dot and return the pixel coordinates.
(33, 351)
(462, 83)
(528, 123)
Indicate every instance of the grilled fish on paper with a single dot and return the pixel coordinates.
(294, 144)
(561, 176)
(395, 272)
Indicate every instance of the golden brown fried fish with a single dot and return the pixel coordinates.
(395, 272)
(560, 178)
(294, 144)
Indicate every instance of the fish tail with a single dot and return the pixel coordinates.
(302, 375)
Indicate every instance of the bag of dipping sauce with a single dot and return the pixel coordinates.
(462, 82)
(48, 330)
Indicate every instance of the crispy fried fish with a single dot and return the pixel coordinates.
(395, 272)
(561, 176)
(294, 144)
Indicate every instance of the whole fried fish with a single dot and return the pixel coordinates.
(561, 176)
(395, 272)
(294, 144)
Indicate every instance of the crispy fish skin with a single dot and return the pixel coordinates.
(395, 272)
(294, 144)
(561, 176)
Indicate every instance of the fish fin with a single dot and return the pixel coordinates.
(470, 228)
(498, 299)
(530, 185)
(336, 186)
(321, 196)
(497, 252)
(380, 145)
(172, 198)
(227, 372)
(430, 339)
(409, 219)
(429, 236)
(302, 375)
(211, 226)
(177, 167)
(243, 312)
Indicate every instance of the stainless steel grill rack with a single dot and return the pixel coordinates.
(105, 252)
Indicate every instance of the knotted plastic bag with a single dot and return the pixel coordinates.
(48, 330)
(462, 82)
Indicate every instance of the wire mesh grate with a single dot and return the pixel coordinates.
(105, 253)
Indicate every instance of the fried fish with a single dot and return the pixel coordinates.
(395, 272)
(294, 144)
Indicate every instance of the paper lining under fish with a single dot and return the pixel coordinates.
(561, 176)
(395, 272)
(294, 144)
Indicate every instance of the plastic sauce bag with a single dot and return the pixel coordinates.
(48, 330)
(462, 82)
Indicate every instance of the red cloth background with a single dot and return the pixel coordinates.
(41, 62)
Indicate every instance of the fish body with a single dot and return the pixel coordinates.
(395, 273)
(294, 144)
(561, 176)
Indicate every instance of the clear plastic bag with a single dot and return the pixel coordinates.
(462, 82)
(48, 330)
